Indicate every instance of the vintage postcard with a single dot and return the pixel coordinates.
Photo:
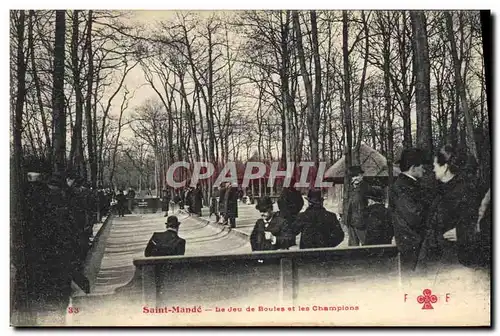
(250, 168)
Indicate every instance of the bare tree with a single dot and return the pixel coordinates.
(347, 108)
(58, 113)
(421, 68)
(471, 144)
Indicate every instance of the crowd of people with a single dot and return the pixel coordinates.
(434, 219)
(442, 223)
(60, 211)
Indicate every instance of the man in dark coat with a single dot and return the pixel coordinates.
(130, 197)
(188, 197)
(231, 205)
(53, 253)
(197, 200)
(101, 203)
(356, 207)
(166, 243)
(121, 199)
(318, 226)
(222, 199)
(408, 207)
(379, 230)
(267, 232)
(290, 202)
(77, 210)
(37, 220)
(214, 205)
(165, 201)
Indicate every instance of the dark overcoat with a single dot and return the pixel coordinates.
(290, 203)
(258, 239)
(357, 204)
(318, 227)
(456, 206)
(408, 211)
(231, 203)
(197, 202)
(165, 244)
(379, 228)
(222, 201)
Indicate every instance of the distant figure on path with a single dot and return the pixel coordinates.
(121, 199)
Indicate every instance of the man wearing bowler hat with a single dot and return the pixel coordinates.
(356, 207)
(166, 243)
(267, 232)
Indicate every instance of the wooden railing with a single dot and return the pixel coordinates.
(284, 277)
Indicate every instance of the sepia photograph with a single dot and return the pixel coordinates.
(237, 168)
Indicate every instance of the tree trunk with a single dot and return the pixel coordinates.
(388, 98)
(471, 143)
(313, 136)
(18, 223)
(36, 80)
(406, 89)
(76, 157)
(58, 113)
(115, 148)
(347, 111)
(88, 105)
(421, 67)
(316, 115)
(361, 87)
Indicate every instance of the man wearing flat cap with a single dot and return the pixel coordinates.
(166, 243)
(356, 207)
(318, 227)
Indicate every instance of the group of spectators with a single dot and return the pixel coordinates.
(445, 219)
(123, 203)
(189, 198)
(278, 229)
(60, 211)
(442, 219)
(224, 204)
(443, 223)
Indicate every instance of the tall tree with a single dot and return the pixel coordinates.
(18, 224)
(362, 85)
(88, 103)
(58, 111)
(347, 108)
(76, 154)
(471, 143)
(421, 68)
(314, 117)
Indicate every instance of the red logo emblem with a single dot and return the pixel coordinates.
(427, 299)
